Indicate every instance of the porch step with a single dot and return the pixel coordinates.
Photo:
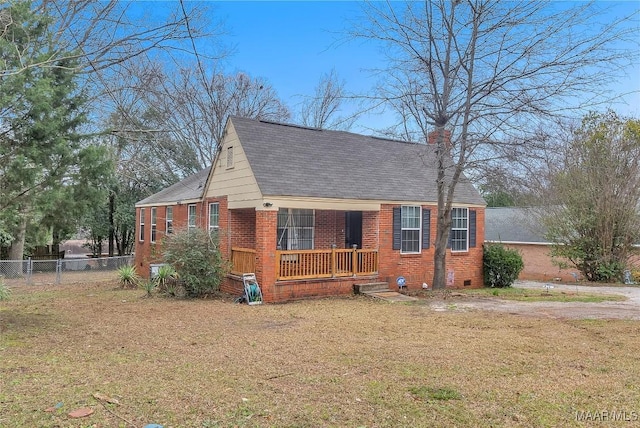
(370, 287)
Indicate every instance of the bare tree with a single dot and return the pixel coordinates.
(180, 116)
(487, 73)
(322, 109)
(98, 35)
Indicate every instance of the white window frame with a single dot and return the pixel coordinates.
(154, 224)
(168, 226)
(293, 230)
(215, 226)
(405, 227)
(459, 223)
(230, 160)
(141, 225)
(192, 224)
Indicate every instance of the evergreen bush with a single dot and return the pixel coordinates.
(195, 256)
(501, 265)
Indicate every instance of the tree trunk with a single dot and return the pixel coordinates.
(111, 225)
(16, 250)
(444, 210)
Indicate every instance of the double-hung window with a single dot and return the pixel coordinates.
(214, 216)
(411, 230)
(169, 220)
(459, 229)
(191, 216)
(295, 229)
(154, 224)
(141, 224)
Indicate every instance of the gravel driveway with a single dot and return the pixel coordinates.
(628, 309)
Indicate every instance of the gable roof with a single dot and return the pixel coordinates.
(289, 160)
(191, 188)
(513, 225)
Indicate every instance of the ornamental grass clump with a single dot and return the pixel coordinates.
(128, 277)
(166, 280)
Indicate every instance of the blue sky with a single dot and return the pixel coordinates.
(292, 43)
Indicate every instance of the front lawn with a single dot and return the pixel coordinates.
(343, 362)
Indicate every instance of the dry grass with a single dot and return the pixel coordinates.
(345, 362)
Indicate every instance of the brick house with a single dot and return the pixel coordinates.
(313, 212)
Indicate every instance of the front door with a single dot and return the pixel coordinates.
(353, 229)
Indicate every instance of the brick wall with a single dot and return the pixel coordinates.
(418, 268)
(538, 265)
(370, 229)
(242, 228)
(295, 290)
(329, 229)
(147, 252)
(266, 241)
(249, 228)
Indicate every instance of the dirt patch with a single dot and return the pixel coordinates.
(629, 308)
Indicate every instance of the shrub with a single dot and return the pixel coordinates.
(195, 256)
(128, 277)
(501, 265)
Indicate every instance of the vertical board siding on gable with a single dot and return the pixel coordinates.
(237, 183)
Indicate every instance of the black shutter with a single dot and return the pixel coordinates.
(426, 228)
(450, 228)
(397, 228)
(472, 228)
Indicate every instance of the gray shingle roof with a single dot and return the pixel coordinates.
(290, 160)
(513, 225)
(187, 189)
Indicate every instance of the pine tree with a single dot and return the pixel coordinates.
(47, 169)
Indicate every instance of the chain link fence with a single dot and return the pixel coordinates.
(61, 271)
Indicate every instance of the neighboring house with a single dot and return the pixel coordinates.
(520, 229)
(313, 212)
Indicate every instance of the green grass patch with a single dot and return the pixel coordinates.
(430, 393)
(543, 295)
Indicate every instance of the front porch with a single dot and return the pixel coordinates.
(311, 264)
(299, 253)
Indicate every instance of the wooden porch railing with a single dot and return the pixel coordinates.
(243, 260)
(310, 264)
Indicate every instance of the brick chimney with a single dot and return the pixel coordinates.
(433, 137)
